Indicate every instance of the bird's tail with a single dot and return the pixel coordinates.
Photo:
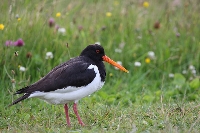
(26, 95)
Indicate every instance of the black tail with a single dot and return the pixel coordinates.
(23, 90)
(26, 95)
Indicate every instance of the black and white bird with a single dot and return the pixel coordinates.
(72, 80)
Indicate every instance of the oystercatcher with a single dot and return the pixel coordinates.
(72, 80)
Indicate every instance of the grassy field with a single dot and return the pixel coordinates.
(157, 41)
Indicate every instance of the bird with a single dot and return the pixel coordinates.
(72, 80)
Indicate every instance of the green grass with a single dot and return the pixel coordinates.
(145, 100)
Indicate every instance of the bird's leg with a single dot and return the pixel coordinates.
(67, 114)
(77, 115)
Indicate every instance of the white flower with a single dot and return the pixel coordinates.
(193, 71)
(21, 68)
(17, 16)
(121, 45)
(49, 55)
(184, 72)
(191, 67)
(137, 64)
(151, 54)
(61, 30)
(171, 75)
(120, 63)
(97, 43)
(118, 50)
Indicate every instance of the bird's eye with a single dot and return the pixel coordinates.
(97, 51)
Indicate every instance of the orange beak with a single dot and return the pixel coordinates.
(107, 59)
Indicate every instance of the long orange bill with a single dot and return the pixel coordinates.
(107, 59)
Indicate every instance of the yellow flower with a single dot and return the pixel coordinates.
(1, 26)
(19, 19)
(108, 14)
(110, 74)
(58, 14)
(146, 4)
(147, 60)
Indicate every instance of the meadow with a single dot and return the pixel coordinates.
(157, 41)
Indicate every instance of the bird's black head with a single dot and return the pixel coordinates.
(94, 52)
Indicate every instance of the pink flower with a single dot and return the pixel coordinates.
(9, 43)
(19, 43)
(57, 27)
(51, 22)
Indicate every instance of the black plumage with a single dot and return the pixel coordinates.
(71, 73)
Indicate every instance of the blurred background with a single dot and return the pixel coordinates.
(157, 41)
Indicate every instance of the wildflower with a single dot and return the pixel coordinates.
(9, 43)
(108, 14)
(19, 19)
(171, 75)
(21, 68)
(80, 28)
(117, 50)
(118, 62)
(193, 72)
(19, 43)
(51, 22)
(137, 64)
(147, 60)
(98, 43)
(191, 67)
(110, 74)
(1, 26)
(17, 16)
(146, 4)
(57, 27)
(151, 55)
(184, 72)
(58, 14)
(61, 30)
(156, 25)
(121, 45)
(49, 55)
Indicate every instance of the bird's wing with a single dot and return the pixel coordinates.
(72, 73)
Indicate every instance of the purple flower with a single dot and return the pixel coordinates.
(57, 27)
(80, 28)
(9, 43)
(19, 43)
(51, 22)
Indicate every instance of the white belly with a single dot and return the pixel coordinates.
(71, 94)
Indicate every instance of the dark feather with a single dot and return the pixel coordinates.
(72, 73)
(20, 99)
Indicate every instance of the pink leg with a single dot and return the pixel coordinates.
(67, 114)
(77, 115)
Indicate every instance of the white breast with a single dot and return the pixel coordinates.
(71, 94)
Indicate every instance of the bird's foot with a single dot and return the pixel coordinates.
(81, 123)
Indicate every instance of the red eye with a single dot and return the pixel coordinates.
(97, 51)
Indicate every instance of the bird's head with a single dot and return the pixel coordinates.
(96, 53)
